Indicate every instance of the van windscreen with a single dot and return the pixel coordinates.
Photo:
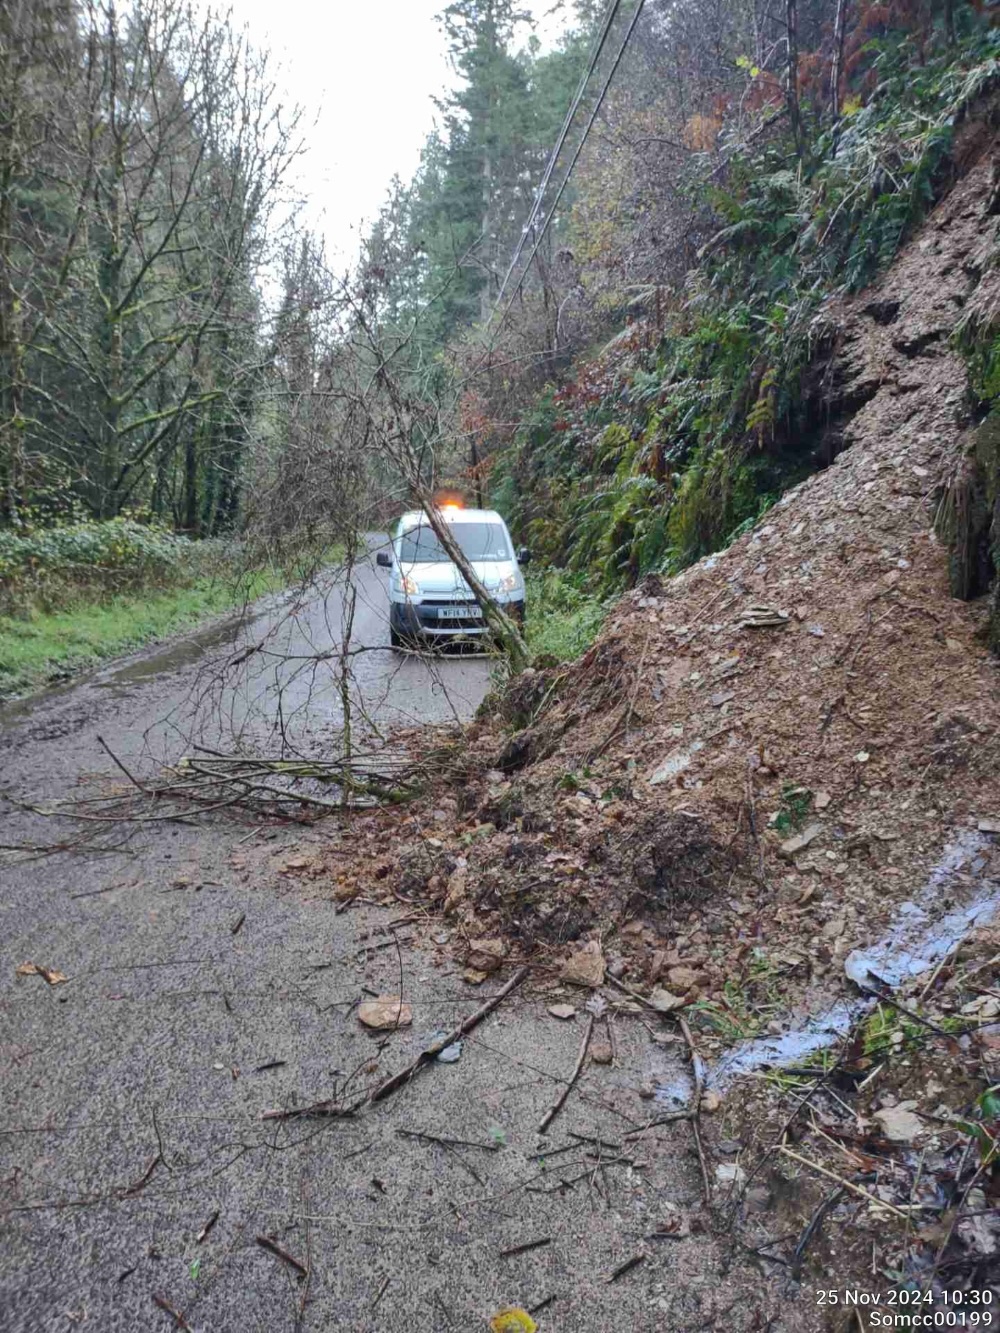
(479, 541)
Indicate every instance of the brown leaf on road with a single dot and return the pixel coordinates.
(50, 974)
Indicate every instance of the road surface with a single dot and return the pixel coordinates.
(207, 985)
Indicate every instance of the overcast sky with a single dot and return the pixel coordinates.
(365, 74)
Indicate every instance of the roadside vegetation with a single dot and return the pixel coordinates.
(562, 617)
(73, 595)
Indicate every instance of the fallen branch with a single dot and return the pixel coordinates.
(626, 1267)
(553, 1111)
(334, 1110)
(175, 1315)
(814, 1224)
(392, 1084)
(266, 1243)
(526, 1247)
(446, 1142)
(695, 1117)
(847, 1184)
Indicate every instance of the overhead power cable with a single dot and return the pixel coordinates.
(569, 171)
(595, 55)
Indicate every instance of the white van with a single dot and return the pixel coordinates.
(428, 598)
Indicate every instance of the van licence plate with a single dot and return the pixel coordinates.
(460, 613)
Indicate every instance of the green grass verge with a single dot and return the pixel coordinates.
(44, 646)
(562, 618)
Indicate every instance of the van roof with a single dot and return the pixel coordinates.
(417, 516)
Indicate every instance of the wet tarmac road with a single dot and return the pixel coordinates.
(268, 679)
(206, 985)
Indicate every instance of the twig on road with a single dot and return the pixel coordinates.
(168, 1309)
(266, 1243)
(557, 1106)
(698, 1066)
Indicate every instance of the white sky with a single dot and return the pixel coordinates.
(365, 73)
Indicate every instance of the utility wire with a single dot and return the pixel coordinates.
(569, 171)
(595, 55)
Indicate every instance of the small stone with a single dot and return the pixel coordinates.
(385, 1013)
(663, 1002)
(601, 1053)
(563, 1011)
(711, 1101)
(683, 978)
(486, 955)
(801, 841)
(457, 890)
(822, 800)
(730, 1173)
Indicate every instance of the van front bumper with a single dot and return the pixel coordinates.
(437, 619)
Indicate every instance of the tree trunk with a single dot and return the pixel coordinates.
(477, 481)
(792, 76)
(839, 26)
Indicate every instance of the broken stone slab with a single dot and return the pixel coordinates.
(792, 846)
(762, 617)
(675, 763)
(586, 967)
(899, 1124)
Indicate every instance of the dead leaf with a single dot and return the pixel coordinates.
(385, 1013)
(53, 977)
(562, 1011)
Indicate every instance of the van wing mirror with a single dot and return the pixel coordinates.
(523, 555)
(384, 560)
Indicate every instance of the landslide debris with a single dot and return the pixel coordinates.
(762, 757)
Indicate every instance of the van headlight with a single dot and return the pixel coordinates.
(509, 584)
(410, 586)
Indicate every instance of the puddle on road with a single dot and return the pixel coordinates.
(917, 941)
(175, 655)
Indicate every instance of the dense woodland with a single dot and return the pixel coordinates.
(599, 303)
